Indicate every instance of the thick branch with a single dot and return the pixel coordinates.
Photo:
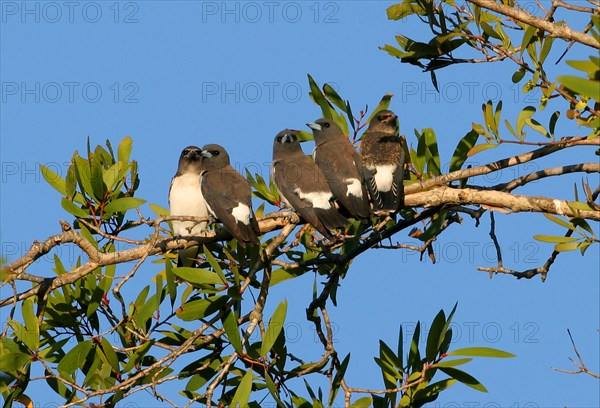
(500, 164)
(555, 30)
(556, 171)
(499, 199)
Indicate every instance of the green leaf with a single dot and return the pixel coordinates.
(525, 114)
(553, 120)
(242, 394)
(13, 360)
(435, 336)
(568, 246)
(546, 46)
(414, 356)
(318, 97)
(304, 136)
(337, 379)
(171, 285)
(581, 86)
(452, 363)
(490, 31)
(114, 174)
(83, 174)
(464, 378)
(71, 184)
(386, 354)
(200, 308)
(480, 352)
(233, 331)
(333, 97)
(96, 179)
(110, 354)
(559, 221)
(554, 239)
(124, 149)
(30, 339)
(198, 276)
(589, 66)
(433, 164)
(537, 126)
(31, 323)
(73, 209)
(527, 37)
(400, 354)
(214, 263)
(435, 388)
(275, 325)
(462, 149)
(481, 147)
(54, 179)
(518, 75)
(75, 358)
(121, 205)
(282, 275)
(383, 104)
(272, 388)
(159, 211)
(364, 402)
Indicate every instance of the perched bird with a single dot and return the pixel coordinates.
(342, 167)
(383, 162)
(302, 185)
(228, 195)
(185, 198)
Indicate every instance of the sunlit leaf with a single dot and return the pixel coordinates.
(242, 394)
(464, 378)
(480, 352)
(275, 325)
(123, 204)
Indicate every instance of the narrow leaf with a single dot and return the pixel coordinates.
(480, 352)
(275, 325)
(242, 394)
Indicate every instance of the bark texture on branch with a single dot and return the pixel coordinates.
(562, 31)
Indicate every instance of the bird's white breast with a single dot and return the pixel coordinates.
(185, 198)
(384, 177)
(317, 199)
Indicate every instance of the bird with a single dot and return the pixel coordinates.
(342, 167)
(228, 195)
(302, 185)
(383, 163)
(185, 198)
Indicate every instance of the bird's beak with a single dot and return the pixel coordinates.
(287, 138)
(314, 126)
(205, 153)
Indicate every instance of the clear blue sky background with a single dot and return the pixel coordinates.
(171, 74)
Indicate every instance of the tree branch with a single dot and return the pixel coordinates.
(500, 164)
(555, 30)
(498, 199)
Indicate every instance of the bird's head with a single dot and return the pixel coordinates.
(190, 159)
(214, 156)
(286, 141)
(325, 129)
(384, 121)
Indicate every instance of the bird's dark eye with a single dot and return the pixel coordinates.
(215, 152)
(279, 138)
(380, 118)
(326, 124)
(186, 151)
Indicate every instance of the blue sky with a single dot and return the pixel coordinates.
(172, 74)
